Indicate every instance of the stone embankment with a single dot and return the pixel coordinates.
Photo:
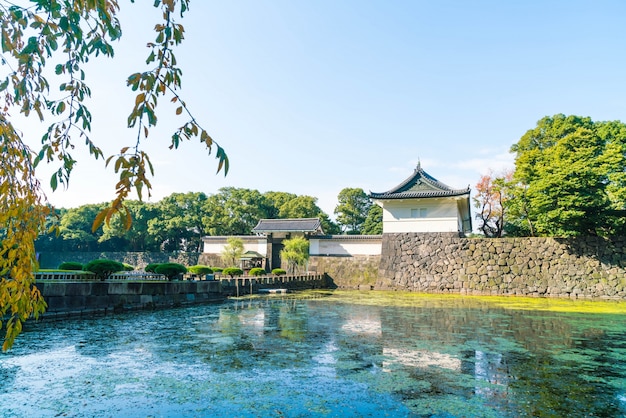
(590, 267)
(88, 297)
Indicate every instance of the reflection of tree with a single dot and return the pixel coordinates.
(292, 323)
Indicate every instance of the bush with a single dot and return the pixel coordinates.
(171, 270)
(232, 271)
(257, 271)
(217, 269)
(70, 265)
(128, 267)
(279, 272)
(150, 268)
(103, 268)
(200, 270)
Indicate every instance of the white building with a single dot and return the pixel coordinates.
(421, 203)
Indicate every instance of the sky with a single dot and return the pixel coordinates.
(310, 97)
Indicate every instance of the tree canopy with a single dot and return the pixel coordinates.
(352, 209)
(569, 179)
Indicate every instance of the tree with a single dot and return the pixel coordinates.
(352, 209)
(116, 237)
(75, 228)
(274, 201)
(373, 224)
(170, 270)
(569, 177)
(232, 251)
(103, 268)
(179, 226)
(306, 207)
(233, 211)
(490, 202)
(67, 34)
(295, 253)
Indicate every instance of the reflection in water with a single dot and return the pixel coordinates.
(330, 356)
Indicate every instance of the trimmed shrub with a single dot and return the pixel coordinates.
(128, 267)
(257, 271)
(232, 271)
(103, 268)
(150, 268)
(279, 272)
(200, 270)
(217, 269)
(171, 270)
(70, 265)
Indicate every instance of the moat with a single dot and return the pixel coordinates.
(327, 354)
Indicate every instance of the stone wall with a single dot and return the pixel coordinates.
(589, 267)
(91, 297)
(51, 260)
(347, 272)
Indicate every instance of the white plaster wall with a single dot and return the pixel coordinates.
(442, 216)
(343, 246)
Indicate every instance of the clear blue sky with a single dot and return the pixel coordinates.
(310, 97)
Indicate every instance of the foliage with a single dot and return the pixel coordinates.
(569, 178)
(217, 269)
(200, 270)
(490, 200)
(256, 271)
(279, 272)
(232, 271)
(103, 268)
(170, 270)
(352, 209)
(295, 253)
(234, 211)
(128, 267)
(179, 226)
(114, 236)
(373, 224)
(232, 251)
(151, 268)
(66, 35)
(70, 265)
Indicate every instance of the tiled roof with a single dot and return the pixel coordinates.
(419, 185)
(288, 225)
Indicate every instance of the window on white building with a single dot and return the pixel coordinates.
(419, 213)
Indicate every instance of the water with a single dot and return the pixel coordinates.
(345, 354)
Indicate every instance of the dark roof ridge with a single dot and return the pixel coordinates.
(403, 189)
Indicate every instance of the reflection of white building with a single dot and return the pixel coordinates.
(420, 358)
(367, 326)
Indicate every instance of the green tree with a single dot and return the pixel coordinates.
(352, 210)
(179, 226)
(233, 211)
(274, 201)
(116, 237)
(67, 34)
(306, 207)
(295, 253)
(103, 268)
(373, 224)
(232, 251)
(170, 270)
(568, 178)
(75, 228)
